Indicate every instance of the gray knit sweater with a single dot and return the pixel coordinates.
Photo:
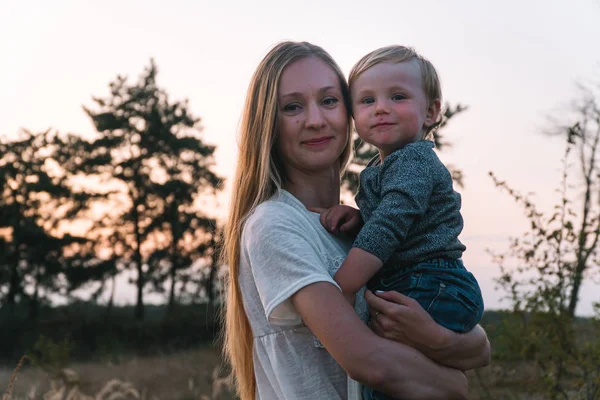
(410, 210)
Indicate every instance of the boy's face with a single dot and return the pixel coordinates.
(390, 107)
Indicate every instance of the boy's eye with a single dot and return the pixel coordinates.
(398, 97)
(330, 101)
(367, 100)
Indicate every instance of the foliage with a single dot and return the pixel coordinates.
(151, 166)
(49, 355)
(553, 258)
(35, 200)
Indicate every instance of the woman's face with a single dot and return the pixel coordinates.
(313, 122)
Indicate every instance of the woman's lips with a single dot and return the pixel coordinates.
(318, 141)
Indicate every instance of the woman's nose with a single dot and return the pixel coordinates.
(314, 117)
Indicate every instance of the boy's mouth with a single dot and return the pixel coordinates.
(383, 124)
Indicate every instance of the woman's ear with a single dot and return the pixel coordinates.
(433, 113)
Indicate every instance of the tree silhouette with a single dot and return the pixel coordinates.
(35, 201)
(152, 166)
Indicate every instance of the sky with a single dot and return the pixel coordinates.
(515, 64)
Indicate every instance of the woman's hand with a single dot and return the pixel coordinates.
(398, 370)
(400, 318)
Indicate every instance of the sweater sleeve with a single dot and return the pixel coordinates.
(406, 187)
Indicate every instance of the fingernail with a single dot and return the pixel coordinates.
(379, 291)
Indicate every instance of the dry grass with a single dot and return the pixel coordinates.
(181, 376)
(13, 378)
(194, 375)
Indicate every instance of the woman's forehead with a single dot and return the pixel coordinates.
(306, 75)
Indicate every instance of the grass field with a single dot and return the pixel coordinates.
(165, 372)
(184, 375)
(193, 374)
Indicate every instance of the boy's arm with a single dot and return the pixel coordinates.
(358, 267)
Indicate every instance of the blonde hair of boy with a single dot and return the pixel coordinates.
(397, 54)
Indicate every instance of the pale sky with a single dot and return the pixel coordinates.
(514, 63)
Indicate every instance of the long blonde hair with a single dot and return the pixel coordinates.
(258, 176)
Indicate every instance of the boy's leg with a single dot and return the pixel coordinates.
(443, 287)
(449, 293)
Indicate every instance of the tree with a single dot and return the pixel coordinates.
(364, 152)
(148, 152)
(35, 200)
(553, 258)
(584, 137)
(190, 239)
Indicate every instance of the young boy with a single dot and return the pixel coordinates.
(411, 214)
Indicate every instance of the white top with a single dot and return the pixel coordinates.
(285, 248)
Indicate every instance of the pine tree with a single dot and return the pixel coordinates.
(35, 201)
(147, 150)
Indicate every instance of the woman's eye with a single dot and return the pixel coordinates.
(330, 101)
(398, 97)
(291, 107)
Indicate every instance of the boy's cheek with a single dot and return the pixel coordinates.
(359, 118)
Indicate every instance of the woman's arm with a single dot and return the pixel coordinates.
(400, 318)
(395, 369)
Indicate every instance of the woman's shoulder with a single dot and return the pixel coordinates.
(280, 211)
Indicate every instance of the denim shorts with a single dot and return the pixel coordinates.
(443, 287)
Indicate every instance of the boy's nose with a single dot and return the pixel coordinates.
(381, 106)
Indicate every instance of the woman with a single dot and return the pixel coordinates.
(294, 145)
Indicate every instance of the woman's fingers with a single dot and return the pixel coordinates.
(376, 326)
(395, 297)
(375, 303)
(401, 318)
(387, 328)
(386, 302)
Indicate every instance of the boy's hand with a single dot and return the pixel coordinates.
(340, 219)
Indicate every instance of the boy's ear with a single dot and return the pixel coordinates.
(433, 113)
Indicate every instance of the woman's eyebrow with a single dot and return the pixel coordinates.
(299, 94)
(291, 94)
(326, 88)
